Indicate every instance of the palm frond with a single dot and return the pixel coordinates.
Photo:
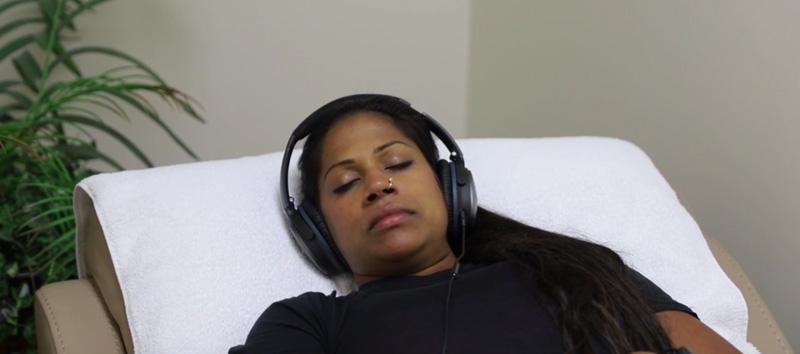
(13, 3)
(17, 44)
(28, 69)
(21, 99)
(108, 52)
(46, 141)
(153, 115)
(19, 23)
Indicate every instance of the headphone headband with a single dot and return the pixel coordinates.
(304, 128)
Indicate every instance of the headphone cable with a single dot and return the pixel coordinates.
(456, 268)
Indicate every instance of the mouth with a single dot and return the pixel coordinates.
(390, 217)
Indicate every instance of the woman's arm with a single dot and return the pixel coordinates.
(684, 330)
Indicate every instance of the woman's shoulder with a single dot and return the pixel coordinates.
(308, 301)
(306, 310)
(301, 321)
(657, 298)
(311, 296)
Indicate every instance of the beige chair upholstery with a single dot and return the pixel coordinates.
(72, 318)
(88, 315)
(762, 330)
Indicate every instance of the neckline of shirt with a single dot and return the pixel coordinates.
(417, 281)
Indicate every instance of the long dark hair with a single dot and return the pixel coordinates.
(587, 287)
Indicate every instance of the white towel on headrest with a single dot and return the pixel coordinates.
(201, 249)
(609, 192)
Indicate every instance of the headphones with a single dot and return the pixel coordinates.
(306, 222)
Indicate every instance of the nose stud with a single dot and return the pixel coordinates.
(388, 188)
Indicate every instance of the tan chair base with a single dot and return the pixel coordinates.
(72, 319)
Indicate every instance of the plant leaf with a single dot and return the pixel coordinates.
(28, 69)
(88, 5)
(122, 113)
(64, 237)
(67, 264)
(23, 100)
(59, 51)
(108, 130)
(155, 118)
(8, 27)
(187, 107)
(113, 108)
(16, 44)
(13, 3)
(87, 112)
(10, 108)
(62, 198)
(87, 152)
(42, 40)
(48, 8)
(50, 225)
(5, 84)
(52, 88)
(46, 213)
(12, 270)
(47, 187)
(109, 52)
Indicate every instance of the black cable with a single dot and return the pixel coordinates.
(456, 268)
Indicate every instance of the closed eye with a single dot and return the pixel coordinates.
(345, 187)
(400, 166)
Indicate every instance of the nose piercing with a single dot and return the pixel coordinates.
(390, 183)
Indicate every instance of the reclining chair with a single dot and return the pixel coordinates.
(99, 313)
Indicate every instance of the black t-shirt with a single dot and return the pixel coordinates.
(491, 311)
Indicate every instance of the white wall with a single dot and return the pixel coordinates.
(260, 67)
(711, 90)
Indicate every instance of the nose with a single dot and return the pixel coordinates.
(380, 185)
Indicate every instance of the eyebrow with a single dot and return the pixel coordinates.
(377, 149)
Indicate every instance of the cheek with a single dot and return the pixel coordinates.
(436, 203)
(336, 217)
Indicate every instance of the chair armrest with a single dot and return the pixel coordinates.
(762, 329)
(71, 318)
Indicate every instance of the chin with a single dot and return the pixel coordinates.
(399, 245)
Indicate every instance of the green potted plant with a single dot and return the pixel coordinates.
(41, 161)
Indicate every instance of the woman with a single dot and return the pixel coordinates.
(372, 181)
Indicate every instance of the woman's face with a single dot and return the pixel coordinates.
(381, 231)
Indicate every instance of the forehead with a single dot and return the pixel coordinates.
(358, 134)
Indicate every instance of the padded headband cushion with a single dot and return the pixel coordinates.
(445, 179)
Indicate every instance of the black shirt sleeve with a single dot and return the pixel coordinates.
(657, 298)
(289, 326)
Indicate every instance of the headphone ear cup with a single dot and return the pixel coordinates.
(316, 218)
(467, 197)
(446, 182)
(328, 252)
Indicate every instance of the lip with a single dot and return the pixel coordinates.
(389, 215)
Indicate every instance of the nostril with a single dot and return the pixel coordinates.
(372, 197)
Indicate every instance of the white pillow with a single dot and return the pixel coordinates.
(201, 249)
